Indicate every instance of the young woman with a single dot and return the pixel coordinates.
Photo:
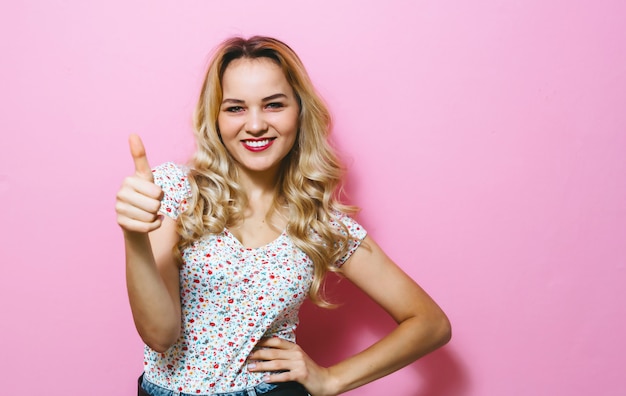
(220, 254)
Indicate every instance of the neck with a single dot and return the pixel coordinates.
(261, 189)
(258, 184)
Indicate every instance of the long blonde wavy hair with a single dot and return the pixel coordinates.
(309, 182)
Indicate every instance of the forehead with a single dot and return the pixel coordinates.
(246, 77)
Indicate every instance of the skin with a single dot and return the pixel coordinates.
(259, 103)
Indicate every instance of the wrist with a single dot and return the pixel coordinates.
(134, 238)
(333, 385)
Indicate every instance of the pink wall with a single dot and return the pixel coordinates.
(486, 142)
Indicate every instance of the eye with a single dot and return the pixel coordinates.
(275, 105)
(234, 109)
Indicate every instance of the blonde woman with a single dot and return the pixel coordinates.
(222, 252)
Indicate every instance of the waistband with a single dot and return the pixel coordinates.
(156, 390)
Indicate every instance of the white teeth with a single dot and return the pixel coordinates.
(257, 143)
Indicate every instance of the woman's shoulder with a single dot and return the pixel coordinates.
(354, 229)
(172, 177)
(170, 169)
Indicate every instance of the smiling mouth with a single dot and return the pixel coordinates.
(257, 145)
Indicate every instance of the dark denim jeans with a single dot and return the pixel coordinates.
(147, 388)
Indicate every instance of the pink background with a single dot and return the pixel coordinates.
(486, 142)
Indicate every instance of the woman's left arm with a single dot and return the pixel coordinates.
(422, 328)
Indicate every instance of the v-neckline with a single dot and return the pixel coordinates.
(236, 240)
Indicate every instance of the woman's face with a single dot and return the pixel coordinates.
(258, 119)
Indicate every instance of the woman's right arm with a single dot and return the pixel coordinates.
(152, 273)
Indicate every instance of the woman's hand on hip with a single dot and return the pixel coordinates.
(275, 354)
(138, 200)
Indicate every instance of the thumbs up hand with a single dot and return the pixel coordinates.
(138, 152)
(139, 199)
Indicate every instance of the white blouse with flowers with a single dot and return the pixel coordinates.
(231, 297)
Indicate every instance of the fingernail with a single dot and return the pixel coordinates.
(251, 366)
(266, 378)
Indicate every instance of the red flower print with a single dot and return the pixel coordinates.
(243, 275)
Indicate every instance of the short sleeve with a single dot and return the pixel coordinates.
(356, 232)
(173, 181)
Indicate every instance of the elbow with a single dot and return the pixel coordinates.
(160, 346)
(428, 332)
(160, 342)
(435, 330)
(442, 330)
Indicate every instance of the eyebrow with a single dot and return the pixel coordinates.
(266, 99)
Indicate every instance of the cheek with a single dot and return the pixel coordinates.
(225, 126)
(292, 123)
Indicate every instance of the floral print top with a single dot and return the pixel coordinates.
(231, 297)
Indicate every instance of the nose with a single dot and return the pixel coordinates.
(256, 124)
